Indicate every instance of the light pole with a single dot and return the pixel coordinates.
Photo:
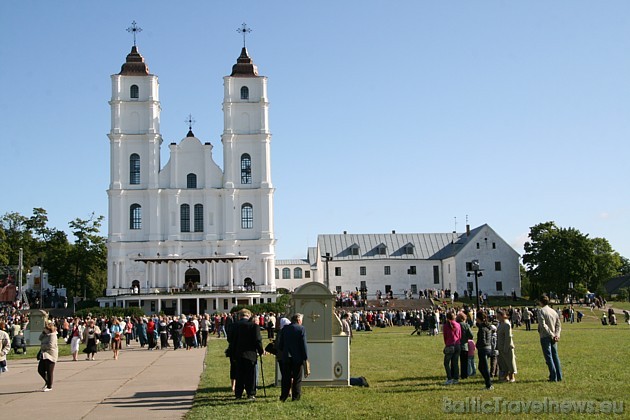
(327, 258)
(477, 272)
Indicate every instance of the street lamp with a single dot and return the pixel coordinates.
(327, 258)
(477, 272)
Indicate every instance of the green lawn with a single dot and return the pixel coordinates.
(406, 376)
(31, 351)
(620, 305)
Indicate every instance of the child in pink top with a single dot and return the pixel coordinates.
(472, 369)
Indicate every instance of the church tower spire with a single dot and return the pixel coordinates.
(135, 139)
(246, 142)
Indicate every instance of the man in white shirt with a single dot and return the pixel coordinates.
(549, 327)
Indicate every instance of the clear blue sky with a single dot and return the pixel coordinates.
(385, 115)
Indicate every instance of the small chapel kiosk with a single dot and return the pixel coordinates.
(328, 346)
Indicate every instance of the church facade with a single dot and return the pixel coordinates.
(189, 236)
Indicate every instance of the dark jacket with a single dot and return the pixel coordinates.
(466, 335)
(245, 340)
(484, 337)
(292, 343)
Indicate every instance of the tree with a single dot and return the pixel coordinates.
(607, 263)
(88, 256)
(17, 235)
(624, 269)
(555, 257)
(50, 245)
(526, 289)
(4, 247)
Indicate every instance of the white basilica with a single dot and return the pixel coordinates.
(188, 236)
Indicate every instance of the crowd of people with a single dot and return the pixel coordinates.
(493, 344)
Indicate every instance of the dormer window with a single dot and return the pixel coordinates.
(134, 92)
(409, 249)
(245, 93)
(354, 249)
(381, 249)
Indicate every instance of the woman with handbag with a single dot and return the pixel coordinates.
(91, 335)
(452, 333)
(48, 354)
(74, 339)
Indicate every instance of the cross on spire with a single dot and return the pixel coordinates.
(134, 29)
(191, 121)
(244, 29)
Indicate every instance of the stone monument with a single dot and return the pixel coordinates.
(36, 322)
(328, 346)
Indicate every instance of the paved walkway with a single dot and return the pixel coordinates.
(157, 384)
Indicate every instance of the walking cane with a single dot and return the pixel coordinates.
(262, 373)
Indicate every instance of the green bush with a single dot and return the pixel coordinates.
(280, 306)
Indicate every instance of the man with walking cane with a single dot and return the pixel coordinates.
(245, 343)
(262, 374)
(292, 347)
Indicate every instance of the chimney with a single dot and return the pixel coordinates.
(467, 230)
(345, 232)
(393, 232)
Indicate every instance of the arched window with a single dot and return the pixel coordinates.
(192, 278)
(198, 217)
(247, 216)
(134, 169)
(184, 218)
(244, 92)
(246, 169)
(297, 273)
(191, 181)
(277, 274)
(286, 273)
(134, 92)
(135, 217)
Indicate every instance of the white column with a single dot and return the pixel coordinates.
(120, 274)
(231, 275)
(266, 271)
(168, 275)
(147, 275)
(114, 271)
(153, 275)
(207, 266)
(179, 306)
(198, 308)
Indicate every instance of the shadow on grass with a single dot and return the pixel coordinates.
(217, 397)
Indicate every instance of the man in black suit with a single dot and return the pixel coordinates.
(292, 346)
(245, 343)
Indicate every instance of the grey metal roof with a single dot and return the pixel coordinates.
(312, 256)
(291, 262)
(426, 246)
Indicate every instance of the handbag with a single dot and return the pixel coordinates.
(271, 348)
(39, 355)
(449, 349)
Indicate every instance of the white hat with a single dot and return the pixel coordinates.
(284, 322)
